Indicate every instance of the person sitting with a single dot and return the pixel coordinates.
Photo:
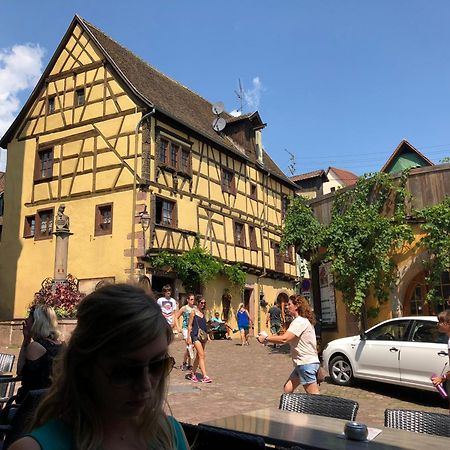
(110, 383)
(218, 327)
(40, 346)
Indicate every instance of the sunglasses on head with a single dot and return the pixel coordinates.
(127, 375)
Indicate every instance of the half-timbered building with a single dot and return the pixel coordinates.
(140, 166)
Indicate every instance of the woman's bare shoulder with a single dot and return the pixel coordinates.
(26, 443)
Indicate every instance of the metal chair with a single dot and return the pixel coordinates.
(418, 421)
(6, 387)
(204, 437)
(320, 405)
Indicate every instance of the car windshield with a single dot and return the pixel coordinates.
(391, 331)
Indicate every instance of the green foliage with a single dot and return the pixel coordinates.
(437, 241)
(445, 160)
(301, 228)
(364, 235)
(368, 225)
(197, 267)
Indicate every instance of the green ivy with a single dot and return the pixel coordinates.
(368, 225)
(196, 267)
(437, 241)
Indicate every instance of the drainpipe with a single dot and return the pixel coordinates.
(133, 206)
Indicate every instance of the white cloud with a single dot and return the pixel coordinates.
(253, 96)
(235, 113)
(20, 69)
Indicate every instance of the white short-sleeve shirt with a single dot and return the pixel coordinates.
(304, 348)
(168, 307)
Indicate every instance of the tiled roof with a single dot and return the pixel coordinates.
(308, 175)
(345, 176)
(172, 98)
(2, 181)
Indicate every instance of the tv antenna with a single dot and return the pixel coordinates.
(292, 162)
(218, 122)
(240, 95)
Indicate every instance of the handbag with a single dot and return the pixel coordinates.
(321, 375)
(202, 335)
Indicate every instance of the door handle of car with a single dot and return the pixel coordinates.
(442, 353)
(393, 349)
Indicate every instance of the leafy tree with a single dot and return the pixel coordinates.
(437, 241)
(197, 267)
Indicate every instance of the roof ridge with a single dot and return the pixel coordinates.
(148, 64)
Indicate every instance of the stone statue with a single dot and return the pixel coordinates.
(62, 221)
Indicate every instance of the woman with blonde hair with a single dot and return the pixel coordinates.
(40, 346)
(243, 322)
(110, 384)
(301, 337)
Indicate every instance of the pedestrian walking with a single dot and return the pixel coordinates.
(444, 327)
(301, 337)
(274, 316)
(244, 321)
(168, 307)
(198, 336)
(185, 313)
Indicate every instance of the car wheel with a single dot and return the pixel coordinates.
(341, 371)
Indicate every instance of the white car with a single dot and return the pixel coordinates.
(404, 351)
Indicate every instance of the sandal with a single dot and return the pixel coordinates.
(206, 380)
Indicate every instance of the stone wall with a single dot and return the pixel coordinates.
(11, 331)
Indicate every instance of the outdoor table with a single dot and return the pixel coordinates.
(284, 428)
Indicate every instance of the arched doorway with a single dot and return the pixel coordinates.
(415, 303)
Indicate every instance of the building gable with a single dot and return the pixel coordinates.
(405, 156)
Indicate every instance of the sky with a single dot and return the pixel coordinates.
(338, 82)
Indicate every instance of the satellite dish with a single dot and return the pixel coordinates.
(218, 108)
(218, 124)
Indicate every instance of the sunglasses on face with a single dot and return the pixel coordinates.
(202, 303)
(125, 376)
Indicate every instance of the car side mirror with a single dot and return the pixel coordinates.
(363, 336)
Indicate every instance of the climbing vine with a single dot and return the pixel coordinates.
(436, 225)
(197, 267)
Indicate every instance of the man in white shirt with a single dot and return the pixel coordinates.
(168, 307)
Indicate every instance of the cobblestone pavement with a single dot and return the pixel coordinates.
(249, 378)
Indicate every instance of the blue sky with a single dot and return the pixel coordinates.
(339, 83)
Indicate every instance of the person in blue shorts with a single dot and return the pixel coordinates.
(244, 321)
(110, 385)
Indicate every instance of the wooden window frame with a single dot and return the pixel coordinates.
(231, 186)
(27, 231)
(279, 257)
(37, 225)
(253, 191)
(38, 164)
(288, 254)
(99, 229)
(51, 104)
(239, 242)
(167, 161)
(252, 237)
(173, 214)
(284, 205)
(79, 91)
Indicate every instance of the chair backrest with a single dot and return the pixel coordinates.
(203, 437)
(6, 362)
(23, 416)
(320, 405)
(418, 421)
(6, 365)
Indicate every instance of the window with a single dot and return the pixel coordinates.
(279, 258)
(427, 331)
(253, 191)
(80, 97)
(103, 219)
(173, 155)
(185, 164)
(44, 164)
(165, 212)
(51, 105)
(239, 234)
(228, 181)
(252, 236)
(391, 331)
(30, 226)
(284, 205)
(288, 254)
(44, 224)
